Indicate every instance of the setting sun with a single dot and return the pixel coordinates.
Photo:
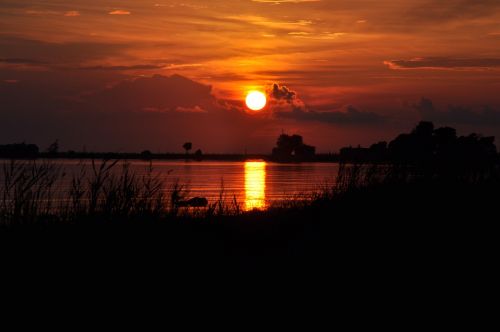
(256, 100)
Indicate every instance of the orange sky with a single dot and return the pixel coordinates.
(358, 69)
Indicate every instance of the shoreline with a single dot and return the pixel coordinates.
(321, 158)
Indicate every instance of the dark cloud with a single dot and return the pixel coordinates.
(456, 114)
(349, 116)
(12, 47)
(283, 93)
(444, 63)
(425, 107)
(159, 92)
(440, 11)
(124, 68)
(286, 104)
(20, 61)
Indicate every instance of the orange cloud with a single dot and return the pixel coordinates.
(72, 13)
(119, 12)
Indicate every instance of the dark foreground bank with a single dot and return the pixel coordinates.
(416, 229)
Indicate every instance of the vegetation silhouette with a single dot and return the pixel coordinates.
(146, 155)
(187, 146)
(53, 148)
(198, 155)
(19, 151)
(426, 146)
(292, 148)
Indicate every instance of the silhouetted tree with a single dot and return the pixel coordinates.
(288, 146)
(424, 129)
(305, 151)
(21, 150)
(187, 146)
(53, 148)
(433, 152)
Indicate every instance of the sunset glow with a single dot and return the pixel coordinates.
(346, 72)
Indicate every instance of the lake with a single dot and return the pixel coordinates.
(254, 184)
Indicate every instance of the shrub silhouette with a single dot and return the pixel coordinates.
(198, 155)
(187, 146)
(21, 151)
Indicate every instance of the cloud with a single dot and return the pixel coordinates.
(119, 12)
(20, 61)
(318, 36)
(72, 13)
(42, 12)
(196, 109)
(123, 68)
(53, 54)
(349, 116)
(444, 63)
(283, 93)
(457, 114)
(277, 2)
(436, 11)
(22, 64)
(286, 104)
(158, 92)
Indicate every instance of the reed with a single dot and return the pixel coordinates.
(111, 190)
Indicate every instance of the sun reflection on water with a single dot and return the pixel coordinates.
(255, 185)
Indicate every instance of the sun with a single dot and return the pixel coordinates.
(256, 100)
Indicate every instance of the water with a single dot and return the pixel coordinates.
(254, 184)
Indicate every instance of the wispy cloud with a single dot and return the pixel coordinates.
(17, 61)
(277, 2)
(457, 114)
(119, 12)
(38, 12)
(349, 116)
(270, 22)
(124, 68)
(72, 13)
(444, 63)
(319, 36)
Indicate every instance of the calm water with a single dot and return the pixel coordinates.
(255, 184)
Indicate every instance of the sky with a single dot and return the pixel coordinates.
(135, 75)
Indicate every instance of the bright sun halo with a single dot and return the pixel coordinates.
(256, 100)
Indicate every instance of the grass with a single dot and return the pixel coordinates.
(110, 190)
(107, 190)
